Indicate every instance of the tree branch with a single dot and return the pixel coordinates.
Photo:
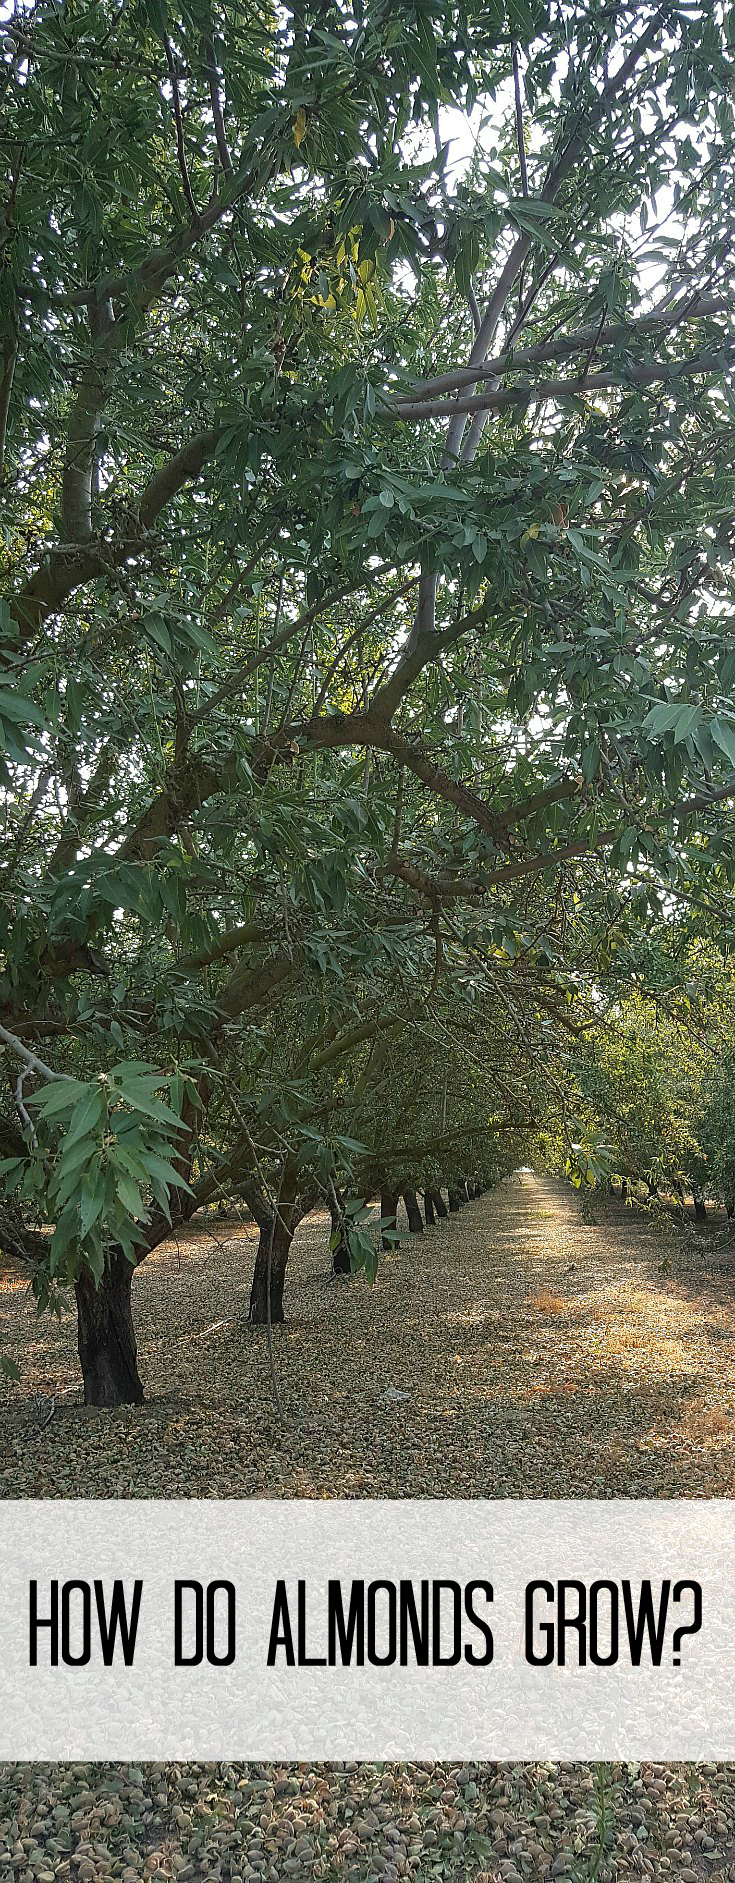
(25, 1248)
(506, 398)
(215, 99)
(66, 569)
(30, 1059)
(10, 355)
(556, 175)
(180, 146)
(619, 333)
(77, 477)
(520, 139)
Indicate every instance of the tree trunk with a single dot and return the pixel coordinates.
(429, 1210)
(456, 1200)
(341, 1264)
(413, 1212)
(288, 1217)
(389, 1213)
(730, 1207)
(700, 1207)
(439, 1204)
(106, 1336)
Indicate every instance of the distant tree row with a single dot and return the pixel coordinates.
(657, 1088)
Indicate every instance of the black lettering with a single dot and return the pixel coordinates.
(226, 1659)
(118, 1619)
(376, 1659)
(69, 1589)
(545, 1628)
(578, 1621)
(281, 1635)
(306, 1660)
(44, 1621)
(350, 1632)
(596, 1590)
(180, 1658)
(455, 1653)
(419, 1625)
(644, 1621)
(470, 1654)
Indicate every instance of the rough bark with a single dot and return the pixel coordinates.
(389, 1213)
(456, 1199)
(281, 1232)
(106, 1336)
(429, 1210)
(439, 1204)
(700, 1207)
(413, 1212)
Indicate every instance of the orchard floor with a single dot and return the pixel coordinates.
(514, 1351)
(348, 1824)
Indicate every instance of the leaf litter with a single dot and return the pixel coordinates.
(513, 1351)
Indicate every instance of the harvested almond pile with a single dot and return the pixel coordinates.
(351, 1823)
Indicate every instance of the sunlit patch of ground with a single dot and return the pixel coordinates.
(511, 1351)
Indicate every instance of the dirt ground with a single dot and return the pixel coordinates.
(515, 1350)
(512, 1351)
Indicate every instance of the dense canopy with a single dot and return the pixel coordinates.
(368, 652)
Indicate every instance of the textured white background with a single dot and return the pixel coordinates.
(506, 1711)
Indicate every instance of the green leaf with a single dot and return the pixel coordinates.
(91, 1205)
(723, 732)
(87, 1113)
(129, 1194)
(54, 1101)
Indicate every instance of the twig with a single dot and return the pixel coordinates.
(275, 1212)
(520, 138)
(25, 1115)
(180, 146)
(30, 1059)
(42, 1422)
(474, 309)
(10, 356)
(217, 112)
(396, 837)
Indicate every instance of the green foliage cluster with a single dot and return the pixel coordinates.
(657, 1086)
